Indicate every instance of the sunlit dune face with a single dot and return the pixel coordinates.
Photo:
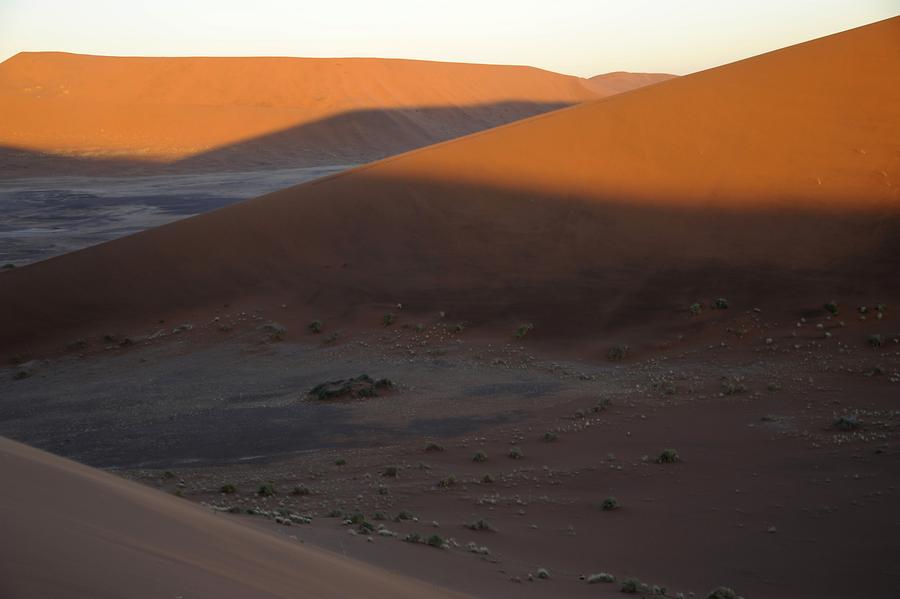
(165, 109)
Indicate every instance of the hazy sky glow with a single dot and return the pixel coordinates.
(579, 37)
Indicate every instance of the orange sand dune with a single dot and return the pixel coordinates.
(773, 179)
(165, 109)
(619, 82)
(71, 531)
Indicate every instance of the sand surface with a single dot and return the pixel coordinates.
(103, 536)
(763, 179)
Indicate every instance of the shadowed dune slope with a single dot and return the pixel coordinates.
(167, 109)
(767, 179)
(71, 531)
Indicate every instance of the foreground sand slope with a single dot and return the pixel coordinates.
(772, 179)
(271, 109)
(72, 531)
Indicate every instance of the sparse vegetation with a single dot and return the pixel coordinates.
(340, 462)
(633, 586)
(720, 304)
(8, 266)
(21, 374)
(266, 490)
(480, 457)
(413, 537)
(832, 308)
(436, 541)
(359, 387)
(846, 423)
(609, 504)
(550, 436)
(391, 471)
(523, 330)
(601, 577)
(543, 573)
(315, 327)
(434, 447)
(404, 515)
(617, 353)
(447, 481)
(875, 340)
(487, 479)
(722, 593)
(668, 456)
(516, 453)
(479, 524)
(388, 319)
(301, 490)
(733, 386)
(227, 489)
(696, 309)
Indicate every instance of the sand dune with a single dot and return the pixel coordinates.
(272, 109)
(772, 179)
(72, 531)
(619, 82)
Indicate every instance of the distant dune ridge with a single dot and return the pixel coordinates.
(773, 179)
(71, 531)
(240, 112)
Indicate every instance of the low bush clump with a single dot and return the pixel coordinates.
(523, 330)
(358, 387)
(227, 489)
(487, 479)
(832, 307)
(696, 308)
(609, 504)
(846, 423)
(267, 490)
(516, 453)
(340, 462)
(543, 573)
(434, 447)
(721, 303)
(391, 471)
(388, 319)
(480, 457)
(875, 340)
(436, 541)
(301, 490)
(722, 593)
(549, 437)
(601, 577)
(617, 353)
(447, 481)
(668, 456)
(480, 524)
(634, 586)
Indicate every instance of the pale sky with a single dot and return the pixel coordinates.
(578, 37)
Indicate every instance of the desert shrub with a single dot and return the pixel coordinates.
(434, 447)
(721, 303)
(601, 577)
(379, 516)
(266, 490)
(846, 423)
(480, 524)
(875, 340)
(76, 345)
(487, 479)
(634, 586)
(543, 573)
(340, 462)
(332, 337)
(458, 328)
(227, 489)
(696, 308)
(480, 457)
(388, 319)
(404, 515)
(391, 471)
(550, 436)
(315, 327)
(8, 266)
(447, 481)
(301, 490)
(832, 308)
(609, 504)
(516, 453)
(383, 490)
(773, 387)
(168, 475)
(420, 328)
(617, 353)
(413, 537)
(523, 330)
(733, 386)
(722, 593)
(20, 375)
(668, 456)
(335, 513)
(436, 541)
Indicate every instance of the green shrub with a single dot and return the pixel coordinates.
(875, 340)
(388, 319)
(391, 471)
(523, 330)
(266, 490)
(722, 593)
(315, 327)
(480, 457)
(550, 437)
(480, 524)
(434, 447)
(847, 423)
(696, 308)
(335, 513)
(447, 481)
(634, 586)
(721, 303)
(301, 490)
(516, 453)
(543, 573)
(227, 489)
(832, 307)
(487, 479)
(340, 462)
(668, 456)
(609, 504)
(404, 515)
(413, 537)
(436, 541)
(601, 577)
(617, 353)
